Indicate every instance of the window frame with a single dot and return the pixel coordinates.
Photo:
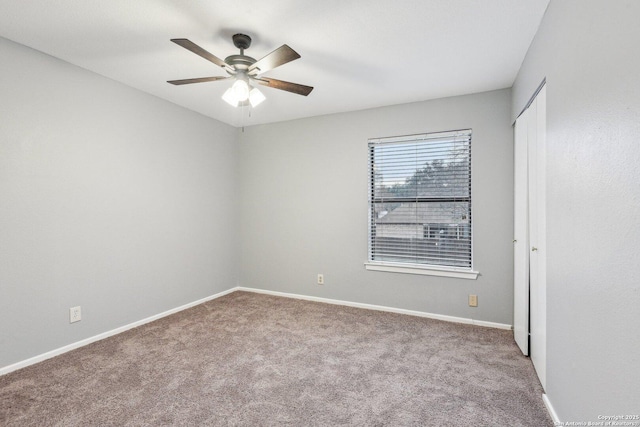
(408, 267)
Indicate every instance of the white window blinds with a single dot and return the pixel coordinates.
(420, 199)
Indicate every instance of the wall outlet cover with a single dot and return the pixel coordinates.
(75, 314)
(473, 300)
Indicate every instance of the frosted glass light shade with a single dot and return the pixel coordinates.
(256, 97)
(230, 97)
(241, 90)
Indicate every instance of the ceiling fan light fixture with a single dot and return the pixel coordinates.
(256, 97)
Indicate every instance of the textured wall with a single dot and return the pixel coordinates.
(304, 187)
(587, 50)
(110, 199)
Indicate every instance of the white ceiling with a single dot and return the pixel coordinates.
(357, 54)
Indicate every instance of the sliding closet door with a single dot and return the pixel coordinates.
(521, 236)
(537, 236)
(530, 303)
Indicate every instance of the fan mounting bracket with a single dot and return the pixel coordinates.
(241, 41)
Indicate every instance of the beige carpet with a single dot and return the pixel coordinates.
(249, 360)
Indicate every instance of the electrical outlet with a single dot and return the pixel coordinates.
(320, 279)
(473, 300)
(75, 314)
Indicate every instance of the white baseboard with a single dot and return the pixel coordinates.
(81, 343)
(381, 308)
(86, 341)
(550, 409)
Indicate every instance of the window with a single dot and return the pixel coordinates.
(420, 201)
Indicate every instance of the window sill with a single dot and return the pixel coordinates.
(418, 269)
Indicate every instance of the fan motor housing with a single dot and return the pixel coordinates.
(240, 62)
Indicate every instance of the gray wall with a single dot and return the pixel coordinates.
(304, 207)
(109, 198)
(588, 51)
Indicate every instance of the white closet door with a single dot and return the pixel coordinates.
(530, 268)
(537, 233)
(521, 236)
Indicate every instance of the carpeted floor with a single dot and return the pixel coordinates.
(250, 360)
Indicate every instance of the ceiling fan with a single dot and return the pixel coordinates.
(245, 71)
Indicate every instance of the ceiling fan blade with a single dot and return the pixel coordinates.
(189, 45)
(197, 80)
(280, 56)
(282, 85)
